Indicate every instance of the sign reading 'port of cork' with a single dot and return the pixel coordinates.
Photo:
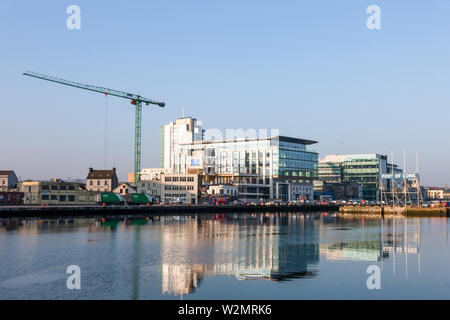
(407, 176)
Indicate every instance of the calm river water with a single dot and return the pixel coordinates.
(233, 256)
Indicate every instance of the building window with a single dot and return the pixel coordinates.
(168, 179)
(44, 186)
(45, 197)
(98, 182)
(62, 198)
(71, 187)
(54, 187)
(91, 182)
(71, 198)
(53, 197)
(62, 188)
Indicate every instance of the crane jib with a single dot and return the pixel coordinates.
(135, 99)
(112, 92)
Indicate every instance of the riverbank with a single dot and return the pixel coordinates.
(89, 211)
(386, 210)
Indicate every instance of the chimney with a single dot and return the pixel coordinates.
(90, 169)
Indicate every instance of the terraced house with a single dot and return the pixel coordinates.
(102, 180)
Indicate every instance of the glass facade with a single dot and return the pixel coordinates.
(269, 157)
(330, 172)
(363, 169)
(271, 162)
(366, 173)
(295, 163)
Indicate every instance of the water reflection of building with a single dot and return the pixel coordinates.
(366, 239)
(181, 279)
(403, 239)
(404, 236)
(36, 226)
(272, 247)
(182, 268)
(250, 255)
(252, 246)
(351, 251)
(351, 239)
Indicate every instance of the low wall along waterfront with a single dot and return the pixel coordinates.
(87, 211)
(386, 210)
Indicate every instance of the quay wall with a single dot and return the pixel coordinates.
(91, 211)
(386, 210)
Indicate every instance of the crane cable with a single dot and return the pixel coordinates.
(106, 131)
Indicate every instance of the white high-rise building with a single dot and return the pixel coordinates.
(181, 131)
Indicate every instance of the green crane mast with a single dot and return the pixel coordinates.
(135, 99)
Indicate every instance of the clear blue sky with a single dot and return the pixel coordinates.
(309, 68)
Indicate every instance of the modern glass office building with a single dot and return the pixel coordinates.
(276, 167)
(366, 170)
(363, 169)
(330, 172)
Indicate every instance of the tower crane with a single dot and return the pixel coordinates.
(135, 100)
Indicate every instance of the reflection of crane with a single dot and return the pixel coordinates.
(136, 100)
(136, 263)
